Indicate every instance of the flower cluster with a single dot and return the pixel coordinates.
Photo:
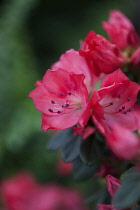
(22, 192)
(69, 94)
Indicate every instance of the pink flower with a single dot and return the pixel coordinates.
(23, 193)
(120, 30)
(62, 168)
(101, 54)
(85, 132)
(112, 184)
(105, 207)
(71, 61)
(18, 191)
(62, 97)
(105, 169)
(135, 58)
(123, 143)
(114, 103)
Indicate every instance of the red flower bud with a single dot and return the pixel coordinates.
(103, 56)
(120, 30)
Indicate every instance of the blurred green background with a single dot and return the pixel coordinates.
(33, 35)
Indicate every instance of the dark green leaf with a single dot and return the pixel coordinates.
(91, 151)
(129, 192)
(82, 171)
(137, 207)
(130, 174)
(60, 139)
(71, 150)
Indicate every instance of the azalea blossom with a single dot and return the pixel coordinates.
(114, 103)
(62, 97)
(112, 185)
(103, 56)
(126, 146)
(72, 61)
(62, 168)
(22, 192)
(120, 30)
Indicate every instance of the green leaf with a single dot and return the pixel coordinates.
(128, 193)
(91, 151)
(82, 171)
(71, 150)
(60, 139)
(137, 207)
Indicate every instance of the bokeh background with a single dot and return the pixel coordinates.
(33, 35)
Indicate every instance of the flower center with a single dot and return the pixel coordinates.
(117, 105)
(70, 101)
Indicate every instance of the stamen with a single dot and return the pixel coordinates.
(62, 106)
(111, 103)
(129, 109)
(66, 105)
(52, 102)
(123, 107)
(129, 99)
(61, 94)
(120, 110)
(58, 112)
(69, 93)
(119, 96)
(50, 110)
(124, 112)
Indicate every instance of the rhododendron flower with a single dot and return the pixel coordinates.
(18, 191)
(85, 132)
(62, 97)
(120, 30)
(112, 184)
(62, 168)
(105, 169)
(114, 103)
(135, 58)
(105, 207)
(101, 54)
(126, 146)
(23, 193)
(71, 61)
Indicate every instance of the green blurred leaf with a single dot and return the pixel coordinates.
(82, 171)
(128, 193)
(71, 150)
(60, 139)
(91, 151)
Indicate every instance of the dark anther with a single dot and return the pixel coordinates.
(120, 110)
(69, 93)
(66, 105)
(123, 107)
(61, 94)
(58, 112)
(52, 102)
(111, 103)
(50, 110)
(62, 106)
(124, 112)
(129, 109)
(129, 99)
